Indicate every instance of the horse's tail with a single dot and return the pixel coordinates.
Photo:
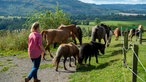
(79, 34)
(43, 33)
(57, 57)
(55, 60)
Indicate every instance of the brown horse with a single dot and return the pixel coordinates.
(117, 33)
(76, 32)
(66, 50)
(57, 36)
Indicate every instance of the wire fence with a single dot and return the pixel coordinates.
(125, 49)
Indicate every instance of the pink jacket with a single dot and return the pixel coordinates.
(34, 42)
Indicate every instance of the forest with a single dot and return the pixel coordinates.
(12, 23)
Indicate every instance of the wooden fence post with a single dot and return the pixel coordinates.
(126, 39)
(125, 47)
(134, 64)
(140, 36)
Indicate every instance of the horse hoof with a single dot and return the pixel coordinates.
(65, 68)
(52, 57)
(57, 70)
(44, 59)
(70, 66)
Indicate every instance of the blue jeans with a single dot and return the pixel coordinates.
(34, 70)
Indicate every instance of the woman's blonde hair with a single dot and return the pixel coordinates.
(34, 26)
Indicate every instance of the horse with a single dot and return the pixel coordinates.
(135, 32)
(90, 49)
(61, 35)
(117, 33)
(76, 32)
(99, 32)
(66, 50)
(108, 32)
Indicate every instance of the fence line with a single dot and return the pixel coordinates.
(136, 74)
(138, 59)
(135, 57)
(132, 70)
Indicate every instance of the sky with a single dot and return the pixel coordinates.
(115, 1)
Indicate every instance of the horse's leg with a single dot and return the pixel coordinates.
(73, 37)
(106, 40)
(75, 59)
(89, 59)
(48, 47)
(99, 40)
(55, 44)
(70, 61)
(86, 59)
(57, 64)
(64, 63)
(96, 58)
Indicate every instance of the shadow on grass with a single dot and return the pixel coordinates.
(84, 68)
(115, 52)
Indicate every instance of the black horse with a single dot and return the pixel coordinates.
(109, 33)
(90, 49)
(101, 32)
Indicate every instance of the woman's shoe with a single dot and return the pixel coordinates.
(37, 80)
(26, 79)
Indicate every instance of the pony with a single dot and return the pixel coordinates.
(61, 35)
(117, 33)
(76, 32)
(99, 32)
(105, 33)
(135, 32)
(66, 50)
(108, 32)
(90, 49)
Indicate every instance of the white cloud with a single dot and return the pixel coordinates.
(115, 1)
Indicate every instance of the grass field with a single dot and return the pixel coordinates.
(134, 22)
(110, 67)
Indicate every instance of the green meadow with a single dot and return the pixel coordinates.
(111, 67)
(134, 22)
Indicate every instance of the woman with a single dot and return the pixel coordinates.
(35, 48)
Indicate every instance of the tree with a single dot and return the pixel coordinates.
(86, 22)
(97, 21)
(49, 19)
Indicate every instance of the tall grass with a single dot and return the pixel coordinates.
(14, 40)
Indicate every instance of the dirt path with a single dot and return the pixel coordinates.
(19, 68)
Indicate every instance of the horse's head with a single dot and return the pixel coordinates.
(99, 46)
(102, 48)
(73, 28)
(80, 59)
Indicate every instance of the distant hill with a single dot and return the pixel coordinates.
(73, 7)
